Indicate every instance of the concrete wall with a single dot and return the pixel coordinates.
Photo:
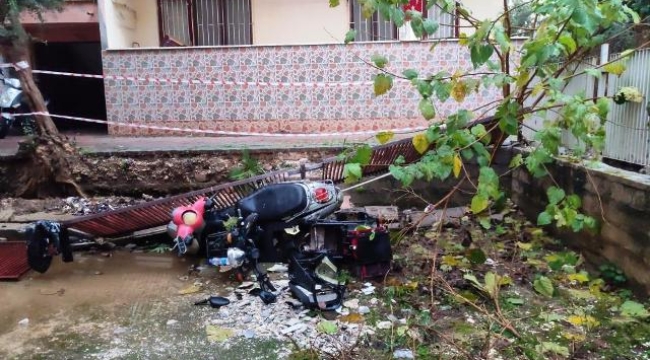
(623, 212)
(130, 23)
(285, 22)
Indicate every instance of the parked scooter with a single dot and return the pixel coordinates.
(12, 102)
(283, 222)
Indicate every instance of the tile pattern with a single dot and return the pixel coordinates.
(351, 107)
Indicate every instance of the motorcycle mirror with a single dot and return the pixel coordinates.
(214, 301)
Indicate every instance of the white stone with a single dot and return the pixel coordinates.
(171, 322)
(24, 322)
(363, 310)
(403, 354)
(384, 325)
(352, 304)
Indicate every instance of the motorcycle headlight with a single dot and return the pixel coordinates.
(190, 218)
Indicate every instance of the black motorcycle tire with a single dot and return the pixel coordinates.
(4, 130)
(38, 256)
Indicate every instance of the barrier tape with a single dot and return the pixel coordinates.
(198, 81)
(220, 132)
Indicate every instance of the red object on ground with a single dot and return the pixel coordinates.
(13, 260)
(416, 5)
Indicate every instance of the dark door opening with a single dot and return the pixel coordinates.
(72, 96)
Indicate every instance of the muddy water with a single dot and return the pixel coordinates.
(95, 295)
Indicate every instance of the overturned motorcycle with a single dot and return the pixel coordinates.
(295, 222)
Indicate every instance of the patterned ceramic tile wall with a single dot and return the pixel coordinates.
(350, 107)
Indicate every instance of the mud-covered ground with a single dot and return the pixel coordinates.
(459, 289)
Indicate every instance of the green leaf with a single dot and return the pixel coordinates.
(568, 43)
(410, 74)
(384, 136)
(555, 195)
(480, 54)
(396, 15)
(515, 301)
(362, 155)
(480, 202)
(555, 348)
(430, 26)
(516, 161)
(379, 60)
(476, 256)
(471, 278)
(383, 83)
(420, 143)
(334, 3)
(597, 73)
(485, 222)
(352, 172)
(634, 309)
(327, 327)
(427, 109)
(544, 286)
(491, 285)
(350, 36)
(544, 218)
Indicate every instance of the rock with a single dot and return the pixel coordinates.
(24, 322)
(391, 318)
(98, 273)
(172, 322)
(374, 301)
(246, 285)
(293, 328)
(352, 304)
(368, 289)
(403, 354)
(363, 310)
(130, 246)
(249, 334)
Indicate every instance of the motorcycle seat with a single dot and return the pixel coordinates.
(275, 202)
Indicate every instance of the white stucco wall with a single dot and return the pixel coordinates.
(287, 22)
(130, 22)
(481, 9)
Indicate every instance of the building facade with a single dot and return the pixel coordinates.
(267, 65)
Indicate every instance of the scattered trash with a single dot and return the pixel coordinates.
(368, 290)
(218, 333)
(294, 328)
(24, 322)
(98, 273)
(172, 322)
(278, 268)
(403, 354)
(246, 285)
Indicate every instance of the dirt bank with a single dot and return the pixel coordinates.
(162, 172)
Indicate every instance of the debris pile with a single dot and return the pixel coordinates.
(80, 206)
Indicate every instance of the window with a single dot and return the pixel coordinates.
(205, 22)
(374, 28)
(377, 28)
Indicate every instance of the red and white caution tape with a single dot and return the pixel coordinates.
(154, 80)
(221, 132)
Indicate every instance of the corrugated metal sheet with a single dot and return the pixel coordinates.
(627, 128)
(158, 212)
(13, 260)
